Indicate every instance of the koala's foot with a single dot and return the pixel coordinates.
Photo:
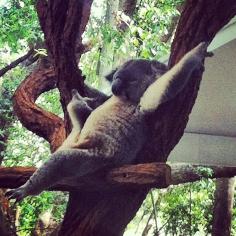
(18, 194)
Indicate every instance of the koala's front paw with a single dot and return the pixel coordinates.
(198, 55)
(201, 50)
(18, 194)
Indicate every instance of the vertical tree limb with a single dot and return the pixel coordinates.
(223, 204)
(63, 23)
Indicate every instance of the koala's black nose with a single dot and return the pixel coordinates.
(117, 86)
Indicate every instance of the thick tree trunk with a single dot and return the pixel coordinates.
(63, 23)
(222, 214)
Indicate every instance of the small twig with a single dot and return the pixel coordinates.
(154, 210)
(16, 62)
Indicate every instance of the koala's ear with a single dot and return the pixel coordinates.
(109, 77)
(157, 66)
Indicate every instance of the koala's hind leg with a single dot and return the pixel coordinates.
(71, 163)
(174, 80)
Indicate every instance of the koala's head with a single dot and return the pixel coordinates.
(132, 78)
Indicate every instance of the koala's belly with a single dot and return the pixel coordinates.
(113, 130)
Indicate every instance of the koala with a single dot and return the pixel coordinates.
(116, 131)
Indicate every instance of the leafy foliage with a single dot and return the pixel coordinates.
(141, 39)
(151, 22)
(32, 208)
(233, 223)
(181, 210)
(19, 19)
(187, 209)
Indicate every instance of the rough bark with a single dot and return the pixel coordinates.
(222, 214)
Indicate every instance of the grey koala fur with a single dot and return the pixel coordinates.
(116, 131)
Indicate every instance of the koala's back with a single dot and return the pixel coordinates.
(115, 129)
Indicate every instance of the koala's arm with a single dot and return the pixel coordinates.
(63, 165)
(79, 110)
(174, 80)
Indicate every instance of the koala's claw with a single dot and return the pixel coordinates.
(209, 54)
(17, 194)
(202, 49)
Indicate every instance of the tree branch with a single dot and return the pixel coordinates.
(142, 176)
(41, 122)
(185, 173)
(16, 62)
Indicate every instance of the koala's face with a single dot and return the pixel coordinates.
(132, 78)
